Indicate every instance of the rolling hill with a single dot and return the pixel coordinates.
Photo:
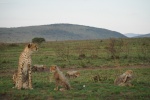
(143, 36)
(54, 32)
(132, 35)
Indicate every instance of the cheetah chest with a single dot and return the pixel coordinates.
(26, 67)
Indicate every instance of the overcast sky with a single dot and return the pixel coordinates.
(125, 16)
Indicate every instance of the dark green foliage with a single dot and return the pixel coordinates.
(38, 40)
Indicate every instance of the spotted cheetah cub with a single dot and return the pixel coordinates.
(23, 76)
(60, 79)
(124, 79)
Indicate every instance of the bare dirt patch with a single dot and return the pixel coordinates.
(107, 67)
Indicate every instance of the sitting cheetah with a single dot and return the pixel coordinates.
(23, 76)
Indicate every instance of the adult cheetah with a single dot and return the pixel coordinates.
(23, 76)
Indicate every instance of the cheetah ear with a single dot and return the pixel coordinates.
(29, 45)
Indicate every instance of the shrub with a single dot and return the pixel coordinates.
(38, 40)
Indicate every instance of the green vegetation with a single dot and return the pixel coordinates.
(108, 58)
(38, 40)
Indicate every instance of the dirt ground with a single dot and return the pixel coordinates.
(94, 68)
(5, 72)
(107, 67)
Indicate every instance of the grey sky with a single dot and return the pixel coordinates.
(125, 16)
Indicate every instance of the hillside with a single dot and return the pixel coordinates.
(56, 32)
(145, 35)
(132, 35)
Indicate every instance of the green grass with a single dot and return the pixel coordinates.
(134, 53)
(66, 53)
(44, 89)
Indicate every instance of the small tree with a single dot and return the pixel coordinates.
(114, 47)
(38, 40)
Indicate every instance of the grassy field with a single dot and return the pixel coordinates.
(108, 58)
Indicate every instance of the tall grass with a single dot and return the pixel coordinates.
(87, 53)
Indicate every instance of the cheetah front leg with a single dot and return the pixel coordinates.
(56, 83)
(19, 79)
(30, 77)
(26, 81)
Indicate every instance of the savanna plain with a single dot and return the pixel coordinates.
(106, 58)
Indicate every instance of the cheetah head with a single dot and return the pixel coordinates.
(32, 46)
(53, 68)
